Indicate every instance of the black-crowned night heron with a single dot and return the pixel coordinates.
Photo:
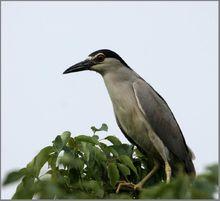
(141, 113)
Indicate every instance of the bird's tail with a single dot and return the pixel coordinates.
(189, 167)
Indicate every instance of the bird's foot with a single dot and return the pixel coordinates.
(128, 185)
(139, 185)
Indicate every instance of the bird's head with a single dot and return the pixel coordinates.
(101, 61)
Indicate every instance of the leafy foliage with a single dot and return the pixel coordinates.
(86, 167)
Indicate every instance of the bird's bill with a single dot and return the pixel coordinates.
(83, 65)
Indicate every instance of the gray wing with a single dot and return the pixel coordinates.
(161, 119)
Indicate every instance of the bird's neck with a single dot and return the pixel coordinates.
(118, 83)
(116, 76)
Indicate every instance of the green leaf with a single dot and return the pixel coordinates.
(47, 189)
(212, 174)
(58, 144)
(14, 176)
(96, 172)
(99, 155)
(113, 173)
(96, 137)
(128, 162)
(108, 149)
(202, 188)
(71, 162)
(118, 196)
(39, 160)
(114, 140)
(84, 138)
(61, 140)
(180, 187)
(94, 188)
(92, 170)
(138, 153)
(25, 189)
(104, 127)
(113, 151)
(123, 149)
(85, 148)
(72, 143)
(156, 192)
(74, 176)
(65, 136)
(104, 148)
(77, 163)
(123, 169)
(53, 160)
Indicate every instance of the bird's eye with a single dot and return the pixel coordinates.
(100, 58)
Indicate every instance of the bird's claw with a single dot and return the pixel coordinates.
(128, 185)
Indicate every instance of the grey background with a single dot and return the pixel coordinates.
(172, 45)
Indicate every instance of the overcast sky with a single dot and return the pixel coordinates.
(172, 45)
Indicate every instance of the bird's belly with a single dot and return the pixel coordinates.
(135, 126)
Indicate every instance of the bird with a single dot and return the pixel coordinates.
(142, 115)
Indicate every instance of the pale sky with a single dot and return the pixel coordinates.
(172, 45)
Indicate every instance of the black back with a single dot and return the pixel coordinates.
(109, 54)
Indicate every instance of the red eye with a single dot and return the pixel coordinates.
(100, 58)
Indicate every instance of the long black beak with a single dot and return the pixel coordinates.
(83, 65)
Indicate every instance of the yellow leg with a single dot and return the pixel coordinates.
(142, 182)
(139, 185)
(167, 171)
(124, 183)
